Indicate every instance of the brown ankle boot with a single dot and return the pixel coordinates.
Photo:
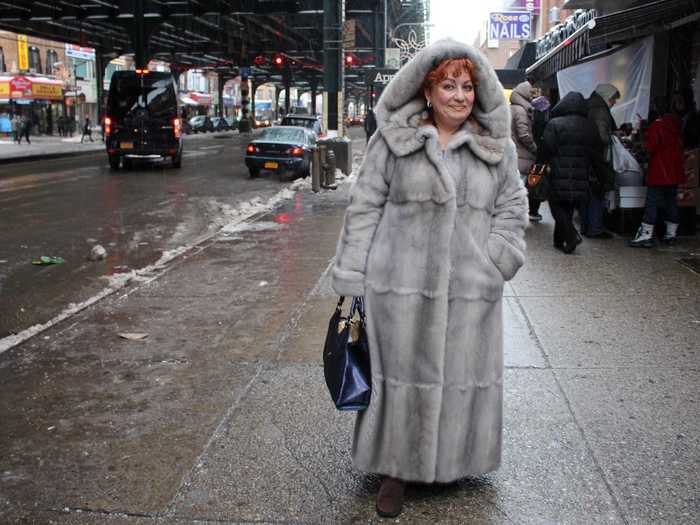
(390, 497)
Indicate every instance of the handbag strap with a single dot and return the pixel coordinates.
(357, 305)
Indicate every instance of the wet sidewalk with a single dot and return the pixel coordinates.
(220, 414)
(48, 146)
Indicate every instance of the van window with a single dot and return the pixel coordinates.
(129, 93)
(160, 98)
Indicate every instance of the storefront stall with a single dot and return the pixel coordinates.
(646, 51)
(35, 96)
(194, 103)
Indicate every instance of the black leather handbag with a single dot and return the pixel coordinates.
(346, 363)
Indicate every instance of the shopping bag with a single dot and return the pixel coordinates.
(626, 168)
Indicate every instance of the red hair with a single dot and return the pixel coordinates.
(451, 67)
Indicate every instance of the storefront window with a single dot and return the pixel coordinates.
(83, 69)
(51, 59)
(34, 60)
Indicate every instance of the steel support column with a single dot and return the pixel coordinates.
(253, 89)
(99, 80)
(220, 77)
(244, 123)
(314, 89)
(140, 31)
(287, 80)
(333, 83)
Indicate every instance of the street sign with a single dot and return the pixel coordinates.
(510, 25)
(86, 53)
(22, 52)
(245, 71)
(392, 58)
(380, 77)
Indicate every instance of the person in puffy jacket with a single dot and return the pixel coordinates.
(570, 144)
(522, 115)
(664, 142)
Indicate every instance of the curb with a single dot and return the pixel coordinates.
(47, 156)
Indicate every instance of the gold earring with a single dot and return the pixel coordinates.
(430, 104)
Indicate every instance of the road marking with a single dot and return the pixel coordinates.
(212, 147)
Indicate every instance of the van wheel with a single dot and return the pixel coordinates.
(114, 162)
(127, 164)
(177, 161)
(253, 172)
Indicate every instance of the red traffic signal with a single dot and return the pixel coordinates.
(278, 60)
(349, 60)
(260, 60)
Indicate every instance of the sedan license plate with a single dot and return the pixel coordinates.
(126, 145)
(271, 165)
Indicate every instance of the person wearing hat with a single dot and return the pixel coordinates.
(603, 98)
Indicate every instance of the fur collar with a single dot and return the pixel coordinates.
(401, 110)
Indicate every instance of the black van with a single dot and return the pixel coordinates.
(142, 119)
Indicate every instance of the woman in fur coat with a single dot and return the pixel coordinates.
(434, 228)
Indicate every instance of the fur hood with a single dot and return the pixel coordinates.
(401, 109)
(522, 95)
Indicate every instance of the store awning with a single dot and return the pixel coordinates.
(619, 27)
(28, 88)
(564, 55)
(522, 58)
(509, 78)
(643, 20)
(187, 101)
(193, 98)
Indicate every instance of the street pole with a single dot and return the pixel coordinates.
(244, 123)
(332, 63)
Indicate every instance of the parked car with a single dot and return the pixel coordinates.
(232, 122)
(220, 124)
(142, 119)
(312, 122)
(201, 123)
(282, 149)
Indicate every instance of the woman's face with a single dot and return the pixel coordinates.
(452, 100)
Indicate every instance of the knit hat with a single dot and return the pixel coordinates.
(540, 103)
(607, 91)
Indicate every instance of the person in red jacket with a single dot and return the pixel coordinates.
(664, 142)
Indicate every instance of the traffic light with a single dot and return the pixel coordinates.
(260, 60)
(278, 60)
(349, 60)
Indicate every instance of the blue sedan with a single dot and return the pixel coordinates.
(281, 149)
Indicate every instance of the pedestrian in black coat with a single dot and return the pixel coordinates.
(570, 145)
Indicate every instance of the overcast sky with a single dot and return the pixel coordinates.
(460, 19)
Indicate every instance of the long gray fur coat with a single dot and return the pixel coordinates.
(429, 238)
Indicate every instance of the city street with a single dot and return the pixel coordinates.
(216, 411)
(63, 207)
